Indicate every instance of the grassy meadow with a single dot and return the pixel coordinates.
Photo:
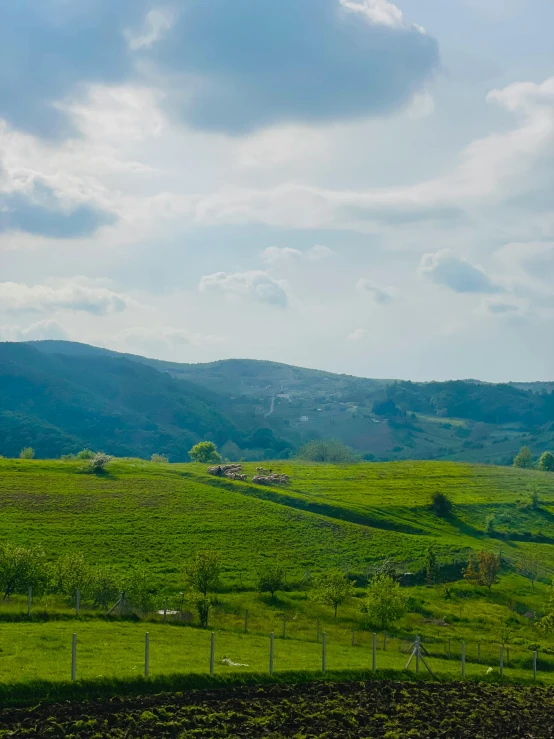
(159, 515)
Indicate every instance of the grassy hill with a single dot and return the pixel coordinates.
(330, 516)
(384, 420)
(157, 516)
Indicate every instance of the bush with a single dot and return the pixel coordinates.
(441, 504)
(159, 459)
(98, 463)
(27, 453)
(327, 450)
(85, 454)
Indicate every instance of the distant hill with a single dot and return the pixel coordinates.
(256, 409)
(61, 402)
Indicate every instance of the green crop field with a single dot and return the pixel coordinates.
(157, 516)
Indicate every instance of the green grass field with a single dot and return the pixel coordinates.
(351, 517)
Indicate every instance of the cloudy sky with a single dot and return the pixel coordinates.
(353, 185)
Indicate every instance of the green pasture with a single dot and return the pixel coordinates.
(42, 652)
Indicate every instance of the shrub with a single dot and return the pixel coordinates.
(27, 453)
(98, 463)
(159, 459)
(85, 454)
(327, 450)
(441, 504)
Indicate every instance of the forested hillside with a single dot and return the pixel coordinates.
(58, 396)
(60, 403)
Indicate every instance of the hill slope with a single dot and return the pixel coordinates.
(382, 419)
(348, 517)
(59, 403)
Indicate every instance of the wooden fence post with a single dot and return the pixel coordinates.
(146, 654)
(74, 658)
(212, 653)
(165, 610)
(417, 654)
(374, 653)
(271, 638)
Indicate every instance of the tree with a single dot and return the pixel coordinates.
(333, 589)
(21, 568)
(159, 459)
(205, 452)
(485, 570)
(202, 573)
(385, 601)
(138, 590)
(103, 587)
(530, 567)
(546, 462)
(69, 574)
(27, 453)
(271, 579)
(524, 459)
(327, 450)
(431, 567)
(441, 504)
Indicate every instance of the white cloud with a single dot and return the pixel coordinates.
(449, 270)
(276, 254)
(38, 331)
(357, 335)
(379, 12)
(382, 295)
(253, 284)
(156, 23)
(21, 298)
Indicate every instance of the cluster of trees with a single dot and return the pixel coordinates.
(331, 451)
(525, 460)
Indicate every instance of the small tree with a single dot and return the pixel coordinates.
(69, 574)
(327, 450)
(485, 571)
(21, 568)
(271, 579)
(546, 623)
(139, 591)
(103, 587)
(27, 453)
(205, 452)
(333, 589)
(202, 605)
(441, 504)
(202, 573)
(524, 459)
(530, 566)
(159, 459)
(546, 462)
(385, 602)
(431, 567)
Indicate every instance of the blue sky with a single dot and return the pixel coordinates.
(357, 185)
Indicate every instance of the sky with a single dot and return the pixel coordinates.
(359, 186)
